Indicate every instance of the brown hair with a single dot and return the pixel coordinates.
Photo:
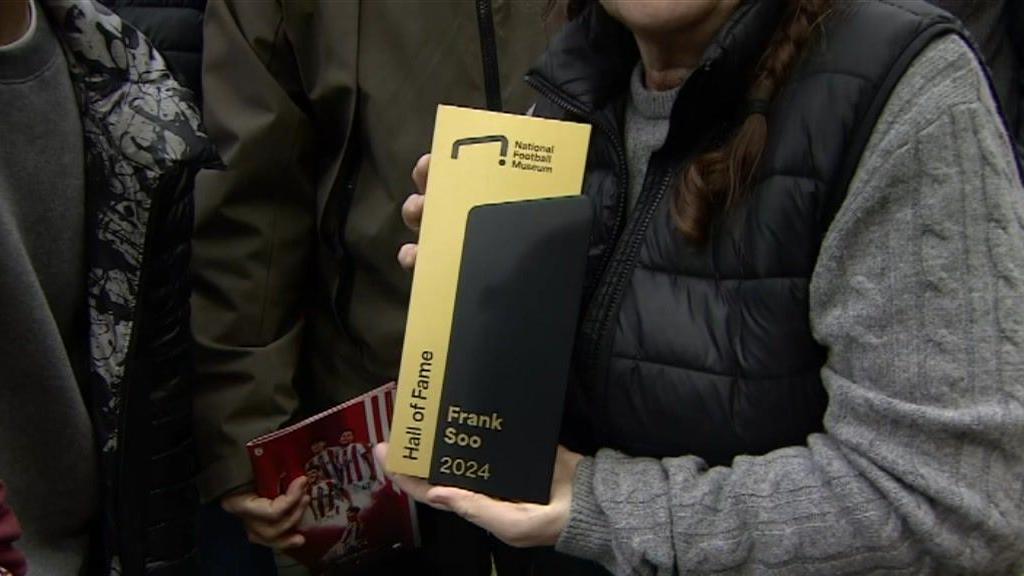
(717, 180)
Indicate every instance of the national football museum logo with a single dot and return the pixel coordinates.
(528, 156)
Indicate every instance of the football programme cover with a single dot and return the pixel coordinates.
(355, 512)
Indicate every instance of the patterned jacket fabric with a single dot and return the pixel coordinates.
(144, 144)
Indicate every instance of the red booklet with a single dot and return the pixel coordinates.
(355, 511)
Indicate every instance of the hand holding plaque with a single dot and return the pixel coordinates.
(412, 211)
(517, 524)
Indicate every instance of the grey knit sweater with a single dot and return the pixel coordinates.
(918, 294)
(646, 127)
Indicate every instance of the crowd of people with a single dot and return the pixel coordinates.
(801, 348)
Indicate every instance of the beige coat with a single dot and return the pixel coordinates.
(320, 109)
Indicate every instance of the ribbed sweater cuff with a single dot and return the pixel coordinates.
(588, 534)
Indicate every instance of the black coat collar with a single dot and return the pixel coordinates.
(590, 61)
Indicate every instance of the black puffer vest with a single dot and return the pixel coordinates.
(707, 349)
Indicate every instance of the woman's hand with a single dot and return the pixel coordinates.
(271, 522)
(516, 524)
(412, 211)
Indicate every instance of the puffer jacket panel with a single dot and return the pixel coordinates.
(168, 460)
(175, 27)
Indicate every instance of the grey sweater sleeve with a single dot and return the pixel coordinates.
(918, 294)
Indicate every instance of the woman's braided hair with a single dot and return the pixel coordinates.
(717, 180)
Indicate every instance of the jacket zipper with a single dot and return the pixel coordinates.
(622, 170)
(130, 558)
(593, 312)
(489, 52)
(622, 274)
(618, 277)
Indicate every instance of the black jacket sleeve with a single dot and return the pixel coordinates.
(161, 500)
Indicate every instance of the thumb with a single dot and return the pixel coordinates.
(380, 454)
(469, 505)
